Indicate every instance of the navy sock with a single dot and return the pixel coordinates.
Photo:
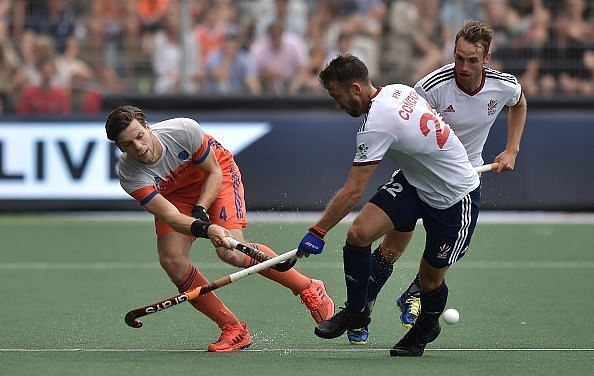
(433, 304)
(357, 268)
(381, 270)
(415, 287)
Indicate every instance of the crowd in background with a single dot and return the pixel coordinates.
(62, 56)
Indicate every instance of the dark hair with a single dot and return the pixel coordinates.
(120, 118)
(476, 32)
(344, 69)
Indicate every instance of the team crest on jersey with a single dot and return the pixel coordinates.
(443, 251)
(492, 107)
(183, 155)
(450, 108)
(362, 151)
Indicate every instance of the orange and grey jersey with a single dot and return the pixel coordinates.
(400, 124)
(470, 114)
(176, 173)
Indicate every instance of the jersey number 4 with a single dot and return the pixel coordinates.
(441, 134)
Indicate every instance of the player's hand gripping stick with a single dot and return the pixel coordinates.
(261, 256)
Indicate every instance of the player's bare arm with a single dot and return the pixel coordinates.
(347, 197)
(161, 208)
(516, 119)
(212, 182)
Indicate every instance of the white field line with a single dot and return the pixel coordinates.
(314, 265)
(343, 350)
(534, 217)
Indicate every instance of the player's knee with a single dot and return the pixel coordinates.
(357, 237)
(173, 265)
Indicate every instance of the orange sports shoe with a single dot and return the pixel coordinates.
(232, 338)
(317, 301)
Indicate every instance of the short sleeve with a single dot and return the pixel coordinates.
(372, 146)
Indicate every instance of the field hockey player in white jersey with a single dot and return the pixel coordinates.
(468, 96)
(436, 183)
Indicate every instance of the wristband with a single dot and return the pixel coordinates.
(318, 231)
(199, 228)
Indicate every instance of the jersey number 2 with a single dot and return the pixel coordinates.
(441, 134)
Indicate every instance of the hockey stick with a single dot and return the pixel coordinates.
(487, 167)
(131, 317)
(261, 256)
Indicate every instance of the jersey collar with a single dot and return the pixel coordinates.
(471, 93)
(377, 91)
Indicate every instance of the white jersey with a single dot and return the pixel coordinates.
(470, 115)
(403, 126)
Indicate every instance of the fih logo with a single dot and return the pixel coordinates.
(492, 107)
(443, 251)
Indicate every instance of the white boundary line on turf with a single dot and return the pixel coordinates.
(318, 265)
(486, 216)
(291, 350)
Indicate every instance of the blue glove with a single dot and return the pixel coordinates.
(312, 242)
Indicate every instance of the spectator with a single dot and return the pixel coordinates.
(151, 16)
(53, 18)
(113, 33)
(455, 12)
(363, 20)
(294, 14)
(167, 57)
(326, 24)
(5, 18)
(429, 37)
(211, 32)
(519, 58)
(500, 16)
(11, 76)
(398, 55)
(43, 48)
(562, 62)
(106, 81)
(278, 57)
(578, 27)
(418, 35)
(229, 70)
(307, 78)
(45, 99)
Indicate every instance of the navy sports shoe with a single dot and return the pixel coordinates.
(358, 336)
(410, 306)
(414, 341)
(346, 319)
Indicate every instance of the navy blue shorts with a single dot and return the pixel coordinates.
(448, 230)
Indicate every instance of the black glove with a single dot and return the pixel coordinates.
(199, 212)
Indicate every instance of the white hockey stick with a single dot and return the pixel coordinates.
(487, 167)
